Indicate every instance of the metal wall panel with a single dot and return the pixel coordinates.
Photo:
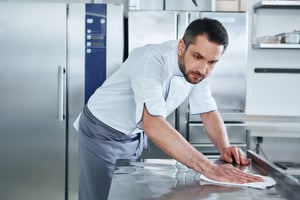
(146, 27)
(228, 80)
(32, 139)
(75, 77)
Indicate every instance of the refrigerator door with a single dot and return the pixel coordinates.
(228, 80)
(75, 82)
(149, 27)
(32, 70)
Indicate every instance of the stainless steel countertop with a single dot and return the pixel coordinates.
(166, 179)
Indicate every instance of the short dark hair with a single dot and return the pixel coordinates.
(212, 28)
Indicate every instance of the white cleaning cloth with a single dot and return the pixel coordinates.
(268, 182)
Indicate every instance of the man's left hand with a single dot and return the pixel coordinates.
(233, 154)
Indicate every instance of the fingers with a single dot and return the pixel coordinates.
(253, 178)
(240, 157)
(247, 178)
(227, 157)
(227, 173)
(243, 158)
(245, 161)
(235, 154)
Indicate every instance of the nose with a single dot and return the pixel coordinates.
(202, 67)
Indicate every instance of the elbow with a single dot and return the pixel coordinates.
(149, 123)
(146, 126)
(152, 124)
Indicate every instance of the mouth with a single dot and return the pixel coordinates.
(192, 76)
(197, 76)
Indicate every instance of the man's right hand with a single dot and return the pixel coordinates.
(228, 173)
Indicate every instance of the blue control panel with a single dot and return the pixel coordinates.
(95, 47)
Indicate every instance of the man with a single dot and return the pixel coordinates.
(136, 99)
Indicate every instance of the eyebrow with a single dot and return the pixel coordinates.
(200, 55)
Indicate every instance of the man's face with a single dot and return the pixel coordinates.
(198, 61)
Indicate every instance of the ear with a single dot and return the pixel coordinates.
(181, 47)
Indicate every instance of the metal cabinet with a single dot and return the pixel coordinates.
(198, 138)
(193, 130)
(283, 23)
(42, 85)
(32, 117)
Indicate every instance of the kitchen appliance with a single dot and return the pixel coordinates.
(228, 81)
(43, 62)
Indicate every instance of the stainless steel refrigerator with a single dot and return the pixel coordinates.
(228, 81)
(47, 53)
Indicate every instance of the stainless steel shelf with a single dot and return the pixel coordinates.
(275, 46)
(289, 4)
(277, 4)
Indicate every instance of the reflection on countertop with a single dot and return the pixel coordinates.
(166, 179)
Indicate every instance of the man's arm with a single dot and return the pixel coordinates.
(216, 131)
(170, 141)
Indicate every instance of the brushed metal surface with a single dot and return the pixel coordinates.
(236, 133)
(166, 179)
(149, 27)
(115, 38)
(228, 80)
(189, 5)
(32, 139)
(75, 72)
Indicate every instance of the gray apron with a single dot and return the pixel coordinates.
(99, 148)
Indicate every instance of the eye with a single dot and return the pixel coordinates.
(212, 62)
(197, 56)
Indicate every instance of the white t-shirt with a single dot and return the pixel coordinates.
(151, 77)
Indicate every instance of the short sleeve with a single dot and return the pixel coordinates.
(147, 86)
(201, 99)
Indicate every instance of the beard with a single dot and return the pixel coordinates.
(191, 76)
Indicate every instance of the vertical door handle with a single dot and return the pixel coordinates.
(61, 80)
